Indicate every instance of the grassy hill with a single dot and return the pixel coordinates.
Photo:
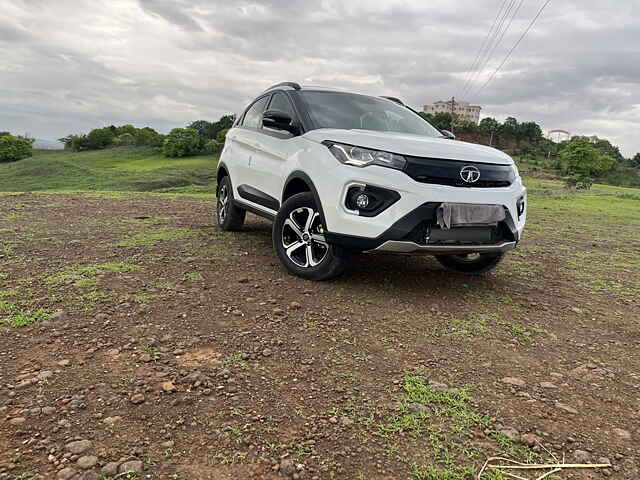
(117, 169)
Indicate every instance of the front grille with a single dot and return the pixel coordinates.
(447, 172)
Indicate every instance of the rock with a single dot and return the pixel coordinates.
(48, 410)
(419, 408)
(603, 461)
(243, 280)
(79, 446)
(66, 473)
(548, 385)
(346, 421)
(168, 386)
(17, 420)
(57, 315)
(87, 462)
(112, 420)
(510, 432)
(110, 469)
(64, 363)
(137, 399)
(287, 467)
(168, 444)
(580, 456)
(295, 306)
(113, 352)
(131, 466)
(91, 475)
(44, 375)
(577, 310)
(624, 434)
(517, 382)
(434, 384)
(266, 352)
(529, 439)
(566, 408)
(25, 383)
(145, 357)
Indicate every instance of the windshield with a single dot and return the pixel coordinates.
(351, 111)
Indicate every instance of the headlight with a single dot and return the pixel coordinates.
(363, 157)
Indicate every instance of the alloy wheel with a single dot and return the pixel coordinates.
(223, 201)
(303, 238)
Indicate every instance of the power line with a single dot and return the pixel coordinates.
(485, 57)
(533, 21)
(471, 69)
(497, 43)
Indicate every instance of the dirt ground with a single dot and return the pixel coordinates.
(139, 341)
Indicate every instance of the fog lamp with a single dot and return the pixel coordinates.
(362, 200)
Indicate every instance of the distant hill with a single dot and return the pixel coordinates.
(40, 144)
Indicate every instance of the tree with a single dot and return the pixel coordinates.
(635, 161)
(14, 148)
(582, 161)
(509, 127)
(99, 138)
(182, 142)
(124, 140)
(205, 129)
(488, 125)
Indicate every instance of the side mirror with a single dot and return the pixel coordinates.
(278, 120)
(448, 134)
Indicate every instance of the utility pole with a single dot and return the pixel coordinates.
(453, 102)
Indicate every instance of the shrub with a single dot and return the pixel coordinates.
(212, 146)
(14, 148)
(222, 135)
(148, 137)
(182, 142)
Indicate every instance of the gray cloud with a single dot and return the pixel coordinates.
(78, 64)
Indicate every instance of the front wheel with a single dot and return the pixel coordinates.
(298, 238)
(472, 263)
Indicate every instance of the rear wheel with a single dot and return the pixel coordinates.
(472, 263)
(298, 238)
(229, 216)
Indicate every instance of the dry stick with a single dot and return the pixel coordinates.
(495, 458)
(553, 465)
(549, 473)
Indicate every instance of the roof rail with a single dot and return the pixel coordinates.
(394, 99)
(294, 85)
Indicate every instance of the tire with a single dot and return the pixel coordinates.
(299, 241)
(469, 264)
(229, 217)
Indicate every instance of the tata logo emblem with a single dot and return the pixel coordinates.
(470, 174)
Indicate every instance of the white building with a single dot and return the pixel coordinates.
(463, 109)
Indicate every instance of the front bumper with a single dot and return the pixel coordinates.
(418, 202)
(412, 248)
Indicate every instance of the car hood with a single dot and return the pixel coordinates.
(413, 145)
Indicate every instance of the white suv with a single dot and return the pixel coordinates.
(340, 173)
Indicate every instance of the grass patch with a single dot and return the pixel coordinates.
(152, 237)
(83, 276)
(19, 319)
(125, 169)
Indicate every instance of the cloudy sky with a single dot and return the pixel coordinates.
(72, 65)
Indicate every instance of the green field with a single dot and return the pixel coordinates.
(119, 169)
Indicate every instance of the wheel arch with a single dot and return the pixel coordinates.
(300, 182)
(222, 172)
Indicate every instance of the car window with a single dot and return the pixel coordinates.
(253, 117)
(279, 101)
(353, 111)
